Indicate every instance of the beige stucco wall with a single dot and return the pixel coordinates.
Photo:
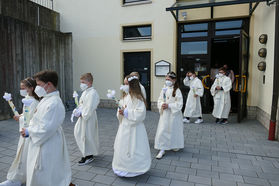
(262, 22)
(97, 44)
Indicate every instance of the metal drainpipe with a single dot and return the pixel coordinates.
(272, 125)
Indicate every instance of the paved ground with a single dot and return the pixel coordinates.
(235, 154)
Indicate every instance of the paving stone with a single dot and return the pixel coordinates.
(158, 180)
(231, 177)
(243, 172)
(256, 181)
(103, 179)
(217, 182)
(198, 179)
(207, 174)
(84, 175)
(181, 183)
(177, 176)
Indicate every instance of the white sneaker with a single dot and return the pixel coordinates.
(160, 154)
(198, 121)
(175, 150)
(10, 183)
(185, 120)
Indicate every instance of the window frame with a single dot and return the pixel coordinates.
(143, 38)
(136, 2)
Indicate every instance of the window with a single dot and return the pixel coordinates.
(133, 1)
(142, 32)
(194, 30)
(228, 24)
(195, 47)
(195, 27)
(228, 27)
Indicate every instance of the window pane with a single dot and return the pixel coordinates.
(132, 1)
(197, 47)
(195, 27)
(194, 34)
(227, 32)
(137, 31)
(229, 24)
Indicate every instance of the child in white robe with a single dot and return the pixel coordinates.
(132, 155)
(220, 91)
(86, 129)
(17, 172)
(169, 135)
(193, 107)
(48, 162)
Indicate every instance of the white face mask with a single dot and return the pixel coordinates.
(23, 93)
(221, 75)
(168, 83)
(191, 77)
(125, 88)
(83, 86)
(40, 91)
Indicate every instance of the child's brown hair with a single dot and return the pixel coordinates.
(134, 88)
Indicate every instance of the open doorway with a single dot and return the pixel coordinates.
(225, 51)
(139, 62)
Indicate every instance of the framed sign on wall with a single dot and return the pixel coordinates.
(162, 68)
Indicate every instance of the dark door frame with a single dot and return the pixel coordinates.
(209, 38)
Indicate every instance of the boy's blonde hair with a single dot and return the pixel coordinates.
(87, 76)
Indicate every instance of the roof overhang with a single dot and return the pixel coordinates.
(194, 4)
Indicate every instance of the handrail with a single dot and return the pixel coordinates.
(204, 85)
(243, 90)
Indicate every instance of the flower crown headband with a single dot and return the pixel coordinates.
(171, 75)
(132, 78)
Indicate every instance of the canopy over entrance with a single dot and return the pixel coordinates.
(197, 4)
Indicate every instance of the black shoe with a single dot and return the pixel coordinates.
(217, 120)
(82, 160)
(86, 160)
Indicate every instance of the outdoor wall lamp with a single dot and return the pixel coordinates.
(262, 52)
(262, 66)
(184, 15)
(263, 38)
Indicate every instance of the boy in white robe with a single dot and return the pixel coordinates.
(86, 129)
(48, 161)
(17, 172)
(220, 91)
(132, 155)
(169, 134)
(193, 107)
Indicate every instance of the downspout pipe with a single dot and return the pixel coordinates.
(274, 106)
